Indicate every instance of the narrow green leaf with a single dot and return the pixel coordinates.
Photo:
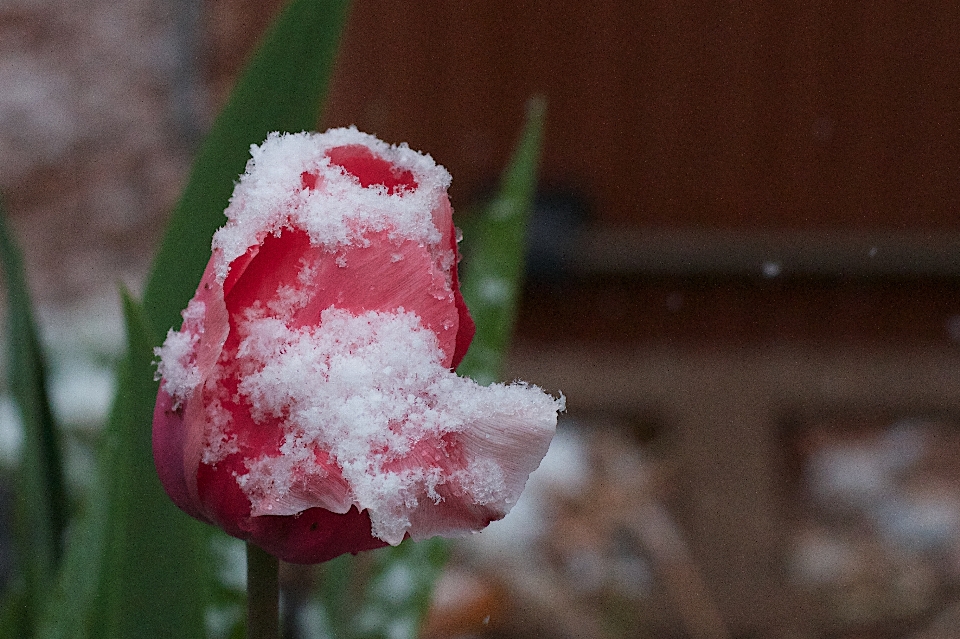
(153, 582)
(281, 90)
(494, 253)
(14, 623)
(71, 607)
(41, 502)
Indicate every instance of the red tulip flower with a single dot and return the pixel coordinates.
(308, 403)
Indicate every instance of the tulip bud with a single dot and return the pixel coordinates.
(308, 403)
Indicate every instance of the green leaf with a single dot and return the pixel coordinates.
(494, 252)
(41, 502)
(281, 90)
(14, 623)
(152, 582)
(70, 610)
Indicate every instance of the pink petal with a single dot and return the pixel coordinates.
(312, 536)
(383, 276)
(169, 437)
(371, 169)
(315, 535)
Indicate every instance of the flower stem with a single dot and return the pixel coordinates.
(263, 594)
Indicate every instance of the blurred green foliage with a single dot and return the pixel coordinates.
(129, 564)
(41, 502)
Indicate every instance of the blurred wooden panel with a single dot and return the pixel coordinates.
(621, 312)
(790, 115)
(727, 409)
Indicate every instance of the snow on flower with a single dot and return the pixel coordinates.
(308, 403)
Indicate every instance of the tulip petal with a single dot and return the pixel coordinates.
(169, 437)
(290, 277)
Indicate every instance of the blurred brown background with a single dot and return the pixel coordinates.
(744, 273)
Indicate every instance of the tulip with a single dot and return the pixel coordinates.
(308, 403)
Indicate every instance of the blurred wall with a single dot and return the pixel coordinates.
(796, 115)
(781, 181)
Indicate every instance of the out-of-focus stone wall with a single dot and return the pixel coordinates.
(99, 106)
